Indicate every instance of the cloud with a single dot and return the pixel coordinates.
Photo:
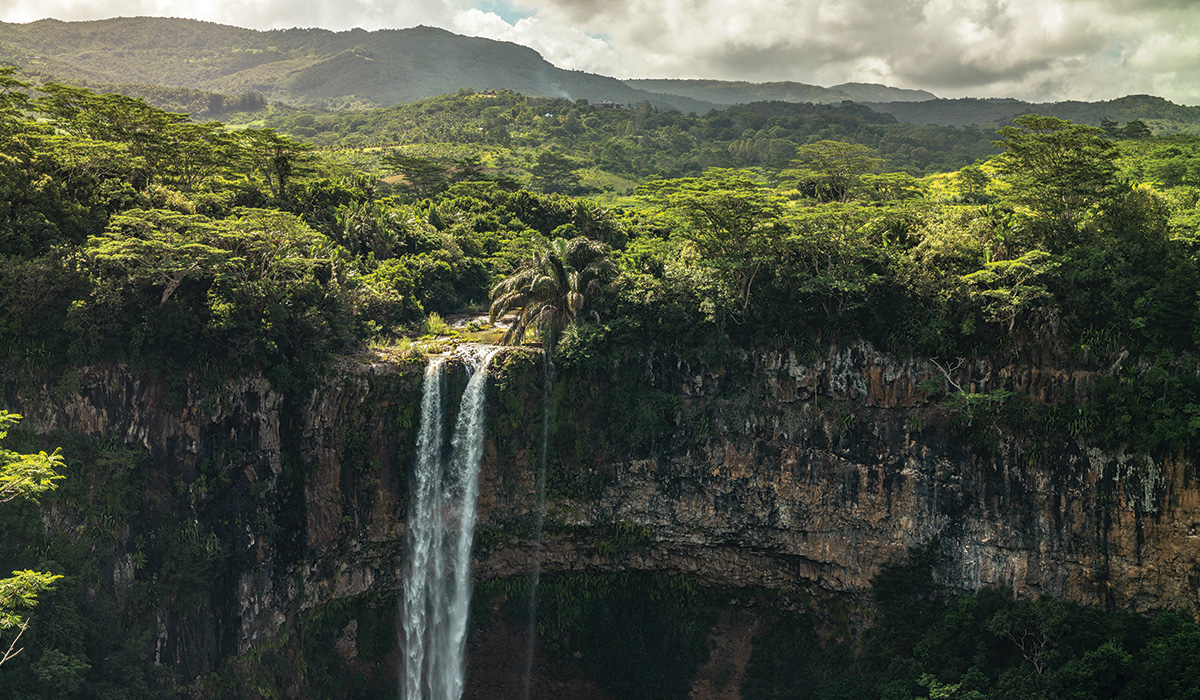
(569, 46)
(1036, 49)
(255, 14)
(1033, 49)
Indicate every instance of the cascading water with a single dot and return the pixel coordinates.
(441, 525)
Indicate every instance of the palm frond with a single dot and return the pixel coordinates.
(552, 288)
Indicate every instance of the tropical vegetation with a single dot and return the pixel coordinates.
(22, 476)
(553, 289)
(198, 252)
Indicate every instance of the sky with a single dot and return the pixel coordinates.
(1038, 50)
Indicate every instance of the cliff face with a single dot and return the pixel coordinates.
(759, 469)
(781, 472)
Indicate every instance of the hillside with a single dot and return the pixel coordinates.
(631, 143)
(210, 69)
(728, 92)
(874, 92)
(355, 68)
(1162, 116)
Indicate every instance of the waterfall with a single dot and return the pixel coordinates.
(441, 523)
(539, 523)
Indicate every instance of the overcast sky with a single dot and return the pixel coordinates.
(1032, 49)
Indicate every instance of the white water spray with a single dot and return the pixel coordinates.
(441, 525)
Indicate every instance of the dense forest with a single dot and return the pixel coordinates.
(137, 236)
(618, 147)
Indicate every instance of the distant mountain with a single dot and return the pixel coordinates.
(730, 92)
(209, 69)
(874, 92)
(1162, 116)
(302, 66)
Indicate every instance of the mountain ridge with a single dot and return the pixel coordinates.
(731, 92)
(206, 63)
(316, 67)
(1160, 114)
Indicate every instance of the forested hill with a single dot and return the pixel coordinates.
(1161, 116)
(729, 92)
(355, 68)
(209, 70)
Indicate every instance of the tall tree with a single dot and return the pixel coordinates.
(423, 177)
(278, 159)
(157, 248)
(832, 169)
(196, 151)
(1058, 169)
(555, 173)
(552, 289)
(728, 221)
(13, 94)
(111, 117)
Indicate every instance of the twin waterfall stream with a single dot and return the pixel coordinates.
(436, 597)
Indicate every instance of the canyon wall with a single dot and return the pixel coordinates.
(750, 469)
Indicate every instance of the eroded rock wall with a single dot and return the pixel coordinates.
(767, 469)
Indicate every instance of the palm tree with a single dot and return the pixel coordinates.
(553, 288)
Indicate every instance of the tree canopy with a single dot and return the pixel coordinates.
(1060, 170)
(24, 476)
(195, 254)
(552, 289)
(730, 223)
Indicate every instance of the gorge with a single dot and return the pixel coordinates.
(806, 475)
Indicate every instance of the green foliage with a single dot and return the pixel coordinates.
(1149, 410)
(18, 593)
(23, 476)
(434, 325)
(831, 170)
(553, 172)
(1160, 115)
(553, 289)
(728, 222)
(980, 646)
(1056, 168)
(260, 289)
(56, 189)
(789, 662)
(190, 249)
(309, 657)
(922, 644)
(1168, 161)
(251, 250)
(279, 160)
(423, 178)
(639, 144)
(1009, 287)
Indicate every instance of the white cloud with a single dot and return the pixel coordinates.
(255, 14)
(569, 46)
(1037, 49)
(1034, 49)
